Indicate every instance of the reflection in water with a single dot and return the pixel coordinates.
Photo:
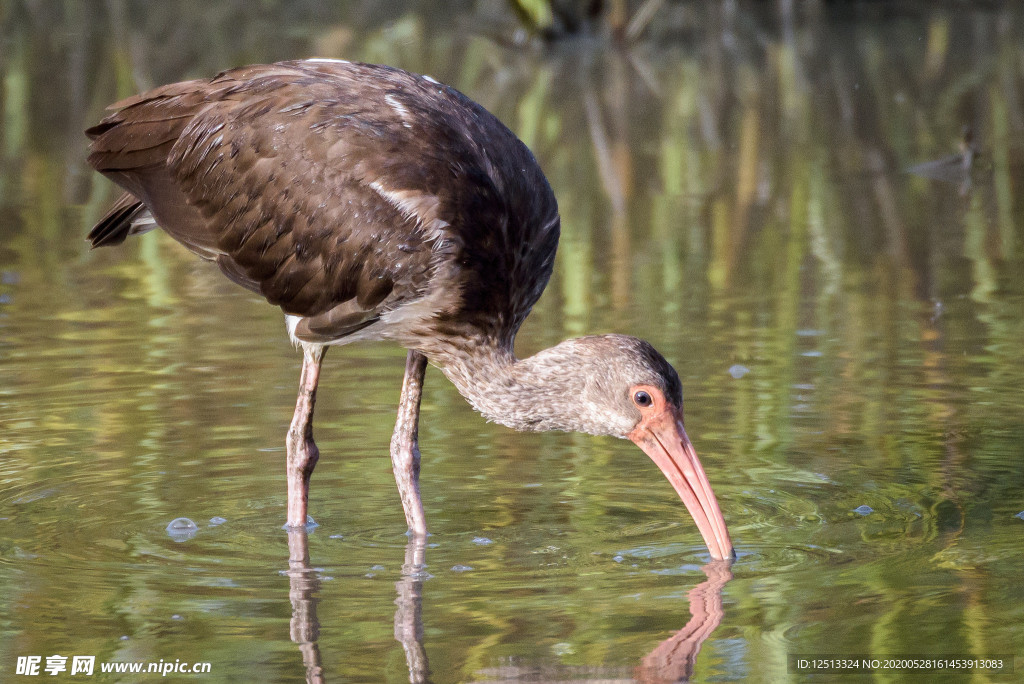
(409, 614)
(757, 151)
(674, 658)
(955, 168)
(304, 591)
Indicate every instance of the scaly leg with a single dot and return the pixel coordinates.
(302, 451)
(405, 450)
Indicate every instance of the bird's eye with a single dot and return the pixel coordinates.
(642, 399)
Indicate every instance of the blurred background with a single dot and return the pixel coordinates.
(811, 208)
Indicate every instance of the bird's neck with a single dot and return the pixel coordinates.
(538, 393)
(507, 390)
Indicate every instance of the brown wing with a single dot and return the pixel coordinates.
(341, 192)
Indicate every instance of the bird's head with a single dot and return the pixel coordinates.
(619, 385)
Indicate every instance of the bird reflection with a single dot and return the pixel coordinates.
(672, 660)
(955, 168)
(304, 591)
(409, 614)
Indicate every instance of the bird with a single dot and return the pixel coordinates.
(373, 204)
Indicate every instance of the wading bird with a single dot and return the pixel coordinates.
(374, 204)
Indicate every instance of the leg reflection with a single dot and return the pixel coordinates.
(409, 615)
(304, 590)
(673, 659)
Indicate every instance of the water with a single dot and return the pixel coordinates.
(732, 188)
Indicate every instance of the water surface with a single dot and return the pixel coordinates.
(733, 188)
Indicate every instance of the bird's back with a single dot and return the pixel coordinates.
(359, 198)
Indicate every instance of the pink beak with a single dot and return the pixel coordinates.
(663, 438)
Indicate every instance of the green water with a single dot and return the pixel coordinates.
(732, 187)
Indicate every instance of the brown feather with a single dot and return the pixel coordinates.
(116, 226)
(344, 193)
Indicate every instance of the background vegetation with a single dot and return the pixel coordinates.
(733, 183)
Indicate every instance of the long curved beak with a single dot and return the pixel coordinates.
(663, 438)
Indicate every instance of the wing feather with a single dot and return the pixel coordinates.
(342, 193)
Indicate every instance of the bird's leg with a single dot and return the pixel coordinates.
(302, 451)
(405, 450)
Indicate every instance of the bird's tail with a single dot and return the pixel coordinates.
(128, 216)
